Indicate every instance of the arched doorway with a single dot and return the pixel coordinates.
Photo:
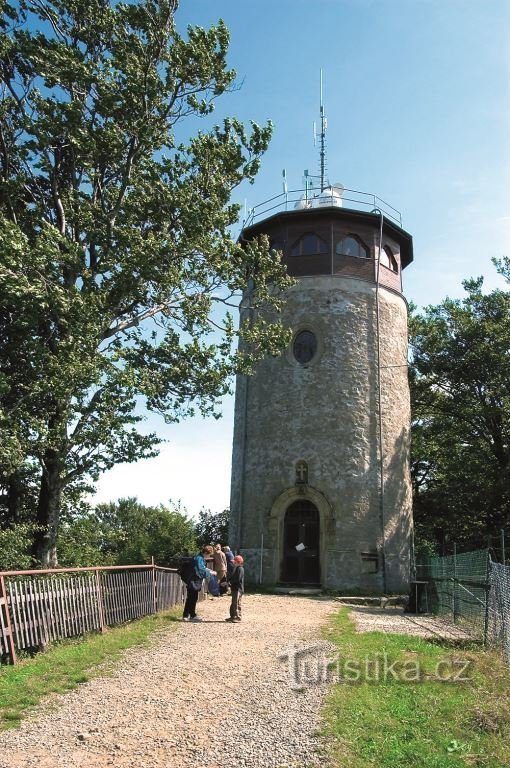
(301, 544)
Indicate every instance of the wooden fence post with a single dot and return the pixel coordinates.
(6, 623)
(100, 601)
(154, 587)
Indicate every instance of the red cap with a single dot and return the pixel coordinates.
(239, 559)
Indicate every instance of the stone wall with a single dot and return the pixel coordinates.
(326, 414)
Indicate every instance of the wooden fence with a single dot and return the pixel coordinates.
(38, 607)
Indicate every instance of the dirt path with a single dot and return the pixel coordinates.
(204, 696)
(210, 694)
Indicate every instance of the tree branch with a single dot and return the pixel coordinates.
(61, 216)
(6, 167)
(133, 148)
(40, 6)
(86, 412)
(132, 322)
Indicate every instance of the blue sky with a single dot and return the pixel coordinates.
(416, 93)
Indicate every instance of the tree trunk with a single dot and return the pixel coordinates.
(15, 490)
(12, 498)
(48, 510)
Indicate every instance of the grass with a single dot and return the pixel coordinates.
(69, 663)
(416, 720)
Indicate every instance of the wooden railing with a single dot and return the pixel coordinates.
(39, 607)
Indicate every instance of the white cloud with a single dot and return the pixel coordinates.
(194, 468)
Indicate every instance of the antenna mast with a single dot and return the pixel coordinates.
(324, 125)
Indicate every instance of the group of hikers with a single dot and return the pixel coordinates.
(228, 572)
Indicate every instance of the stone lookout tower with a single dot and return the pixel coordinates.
(320, 492)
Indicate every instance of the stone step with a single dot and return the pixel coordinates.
(297, 590)
(380, 601)
(359, 600)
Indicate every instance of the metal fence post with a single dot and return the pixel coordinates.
(487, 594)
(504, 597)
(454, 596)
(503, 553)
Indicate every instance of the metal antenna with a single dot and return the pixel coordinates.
(324, 125)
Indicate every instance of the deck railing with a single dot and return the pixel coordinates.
(308, 197)
(40, 606)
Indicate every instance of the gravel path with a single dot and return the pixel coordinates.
(368, 619)
(204, 696)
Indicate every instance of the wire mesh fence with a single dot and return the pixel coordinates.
(469, 589)
(498, 613)
(456, 587)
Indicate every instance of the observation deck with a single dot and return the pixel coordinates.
(317, 235)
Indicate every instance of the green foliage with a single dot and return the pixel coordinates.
(82, 542)
(126, 533)
(15, 546)
(460, 376)
(212, 528)
(117, 265)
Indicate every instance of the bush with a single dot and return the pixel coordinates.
(15, 547)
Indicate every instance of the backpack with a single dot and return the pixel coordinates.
(213, 586)
(186, 569)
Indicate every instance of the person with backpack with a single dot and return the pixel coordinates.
(193, 573)
(236, 589)
(229, 556)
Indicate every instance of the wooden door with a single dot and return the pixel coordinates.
(301, 544)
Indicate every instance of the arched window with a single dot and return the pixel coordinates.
(352, 246)
(388, 260)
(309, 244)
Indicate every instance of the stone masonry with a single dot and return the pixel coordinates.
(326, 414)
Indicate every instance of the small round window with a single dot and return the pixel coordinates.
(305, 346)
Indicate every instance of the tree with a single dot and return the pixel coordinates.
(117, 265)
(126, 532)
(15, 544)
(82, 542)
(460, 384)
(212, 528)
